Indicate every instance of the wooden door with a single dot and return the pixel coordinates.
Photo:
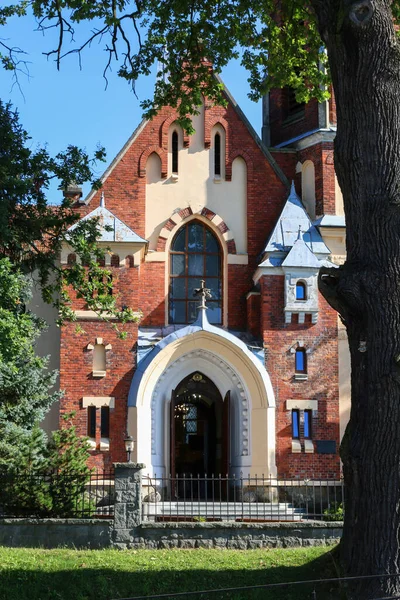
(226, 435)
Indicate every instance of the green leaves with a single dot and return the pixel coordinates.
(191, 40)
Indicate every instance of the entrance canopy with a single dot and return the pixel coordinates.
(231, 367)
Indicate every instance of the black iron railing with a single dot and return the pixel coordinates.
(252, 499)
(57, 494)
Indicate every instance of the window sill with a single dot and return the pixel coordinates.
(174, 176)
(300, 376)
(104, 445)
(92, 443)
(99, 373)
(217, 178)
(296, 447)
(308, 447)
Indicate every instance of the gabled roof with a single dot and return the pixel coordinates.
(119, 232)
(294, 223)
(301, 256)
(276, 168)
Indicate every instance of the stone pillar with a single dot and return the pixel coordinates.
(128, 502)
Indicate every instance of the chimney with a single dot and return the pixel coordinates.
(73, 192)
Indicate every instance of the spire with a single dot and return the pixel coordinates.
(292, 189)
(102, 200)
(299, 233)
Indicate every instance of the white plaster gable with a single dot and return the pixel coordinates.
(118, 231)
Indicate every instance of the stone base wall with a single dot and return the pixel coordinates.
(238, 536)
(91, 533)
(53, 533)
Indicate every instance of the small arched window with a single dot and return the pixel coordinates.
(129, 263)
(301, 292)
(300, 361)
(308, 187)
(217, 155)
(71, 260)
(175, 152)
(115, 260)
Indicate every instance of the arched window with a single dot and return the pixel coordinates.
(308, 187)
(300, 361)
(175, 152)
(217, 155)
(195, 255)
(71, 260)
(301, 293)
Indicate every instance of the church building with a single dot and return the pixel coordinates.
(237, 364)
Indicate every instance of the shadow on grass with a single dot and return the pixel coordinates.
(107, 584)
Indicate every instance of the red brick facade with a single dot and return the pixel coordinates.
(143, 287)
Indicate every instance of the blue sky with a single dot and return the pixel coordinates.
(72, 106)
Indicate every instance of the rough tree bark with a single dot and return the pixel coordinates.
(364, 57)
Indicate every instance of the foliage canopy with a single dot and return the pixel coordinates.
(276, 51)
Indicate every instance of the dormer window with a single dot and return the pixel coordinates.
(175, 152)
(301, 293)
(217, 155)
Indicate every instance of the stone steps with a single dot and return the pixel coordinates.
(226, 511)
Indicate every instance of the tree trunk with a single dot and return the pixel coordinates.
(364, 59)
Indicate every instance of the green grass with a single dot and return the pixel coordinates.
(63, 574)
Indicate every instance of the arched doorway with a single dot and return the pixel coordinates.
(200, 421)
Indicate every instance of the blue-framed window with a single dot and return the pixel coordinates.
(300, 361)
(301, 293)
(296, 424)
(308, 424)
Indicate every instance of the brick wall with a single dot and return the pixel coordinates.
(322, 383)
(284, 127)
(76, 378)
(322, 157)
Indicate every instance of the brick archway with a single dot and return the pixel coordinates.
(209, 123)
(161, 153)
(164, 129)
(239, 154)
(179, 217)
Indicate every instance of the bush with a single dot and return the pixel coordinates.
(334, 513)
(54, 486)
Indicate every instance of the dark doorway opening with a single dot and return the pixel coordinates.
(199, 428)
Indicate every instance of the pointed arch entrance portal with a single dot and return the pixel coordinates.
(200, 428)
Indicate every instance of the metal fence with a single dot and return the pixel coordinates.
(246, 499)
(57, 494)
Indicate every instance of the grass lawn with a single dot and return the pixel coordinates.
(36, 574)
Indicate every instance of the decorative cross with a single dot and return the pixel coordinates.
(204, 294)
